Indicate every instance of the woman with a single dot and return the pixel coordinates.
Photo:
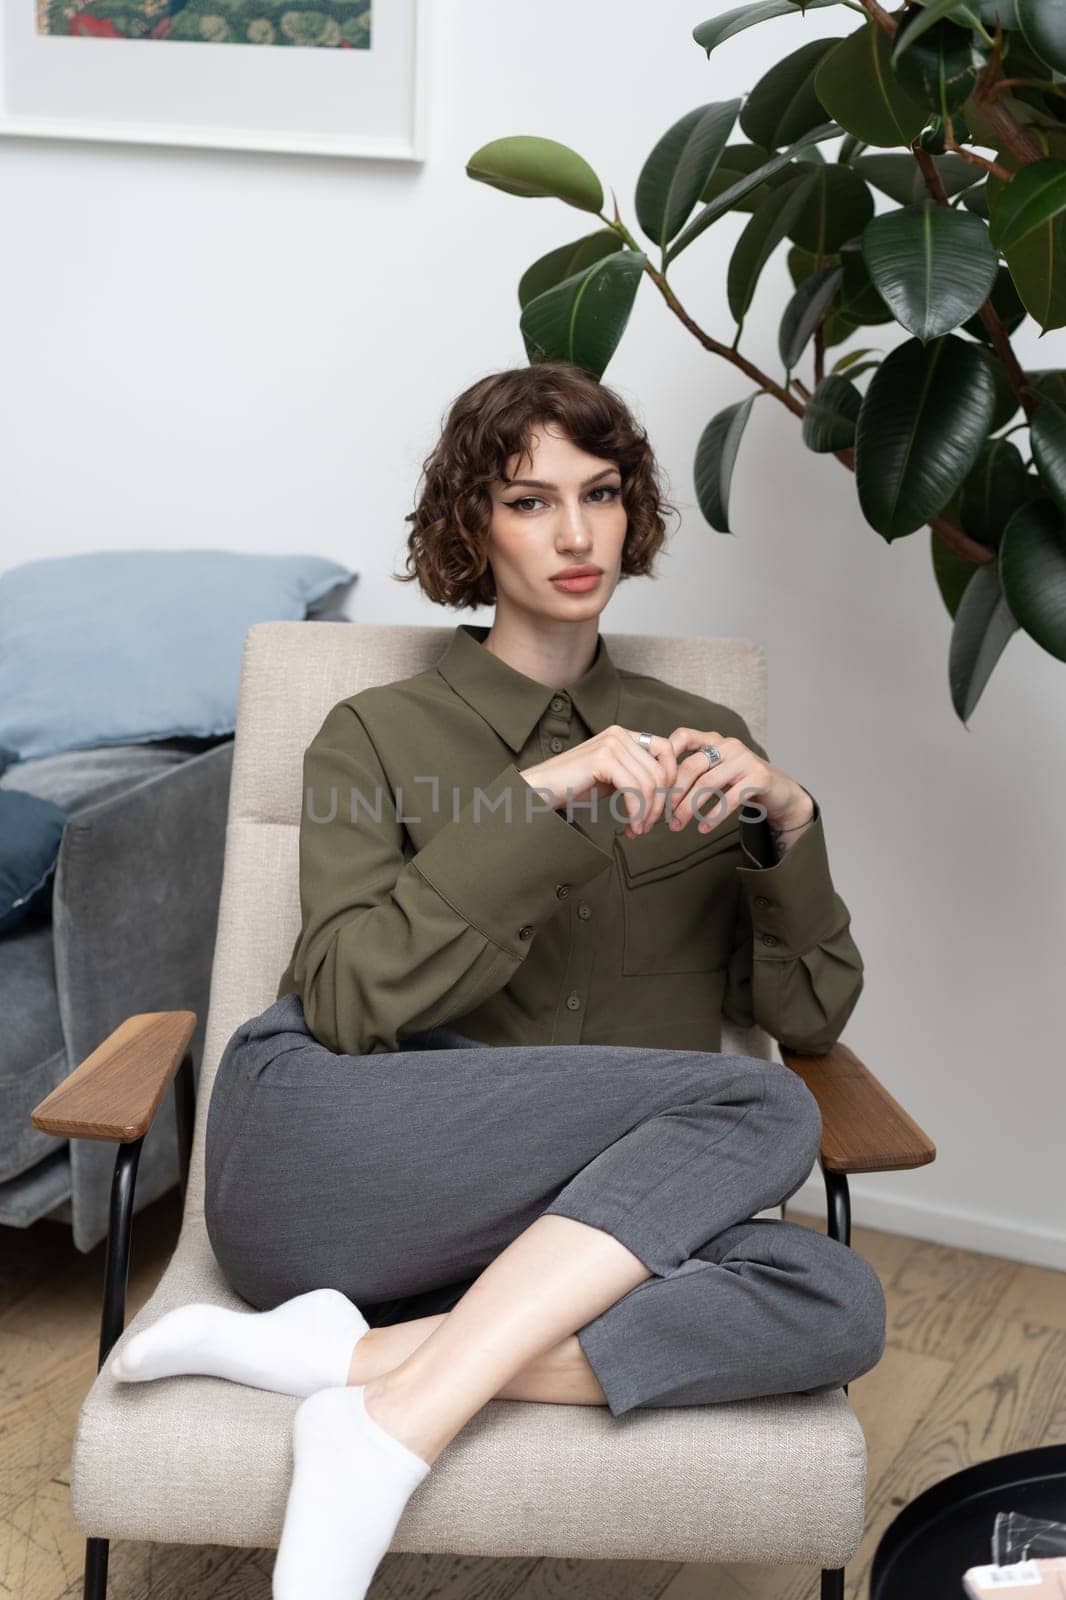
(487, 1111)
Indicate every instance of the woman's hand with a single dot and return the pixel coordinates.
(740, 777)
(610, 761)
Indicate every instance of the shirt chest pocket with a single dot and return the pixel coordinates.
(680, 896)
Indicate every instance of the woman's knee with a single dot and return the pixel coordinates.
(852, 1295)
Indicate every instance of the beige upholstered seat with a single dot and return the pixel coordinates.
(199, 1460)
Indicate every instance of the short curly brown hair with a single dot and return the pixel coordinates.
(489, 423)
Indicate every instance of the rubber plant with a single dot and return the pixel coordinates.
(954, 113)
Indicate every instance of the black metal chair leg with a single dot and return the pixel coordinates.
(838, 1205)
(117, 1259)
(113, 1316)
(96, 1552)
(838, 1226)
(832, 1583)
(185, 1113)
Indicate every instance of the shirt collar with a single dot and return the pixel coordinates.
(513, 704)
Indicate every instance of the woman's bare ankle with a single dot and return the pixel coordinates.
(389, 1402)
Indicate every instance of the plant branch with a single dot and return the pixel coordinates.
(998, 117)
(1004, 174)
(1026, 83)
(707, 340)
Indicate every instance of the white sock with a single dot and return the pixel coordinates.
(303, 1345)
(351, 1480)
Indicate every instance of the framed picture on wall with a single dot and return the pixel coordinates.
(305, 77)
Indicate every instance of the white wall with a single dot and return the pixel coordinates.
(254, 351)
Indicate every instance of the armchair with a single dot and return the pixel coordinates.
(197, 1460)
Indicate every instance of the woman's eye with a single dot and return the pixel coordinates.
(611, 490)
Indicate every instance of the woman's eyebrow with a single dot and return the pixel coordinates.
(539, 483)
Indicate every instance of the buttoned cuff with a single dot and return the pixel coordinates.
(503, 859)
(792, 902)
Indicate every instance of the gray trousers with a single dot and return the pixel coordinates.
(397, 1177)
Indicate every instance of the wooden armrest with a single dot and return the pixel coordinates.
(115, 1093)
(864, 1128)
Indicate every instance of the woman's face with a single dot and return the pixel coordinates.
(553, 515)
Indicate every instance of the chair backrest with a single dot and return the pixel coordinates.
(292, 673)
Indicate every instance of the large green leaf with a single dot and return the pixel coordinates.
(718, 29)
(830, 415)
(744, 186)
(1032, 569)
(564, 262)
(1043, 26)
(856, 85)
(537, 168)
(1037, 263)
(900, 177)
(838, 207)
(716, 456)
(583, 318)
(760, 237)
(924, 418)
(783, 106)
(1034, 195)
(992, 491)
(804, 312)
(932, 265)
(673, 176)
(942, 68)
(1038, 267)
(1047, 435)
(983, 628)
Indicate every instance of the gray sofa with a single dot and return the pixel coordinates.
(130, 928)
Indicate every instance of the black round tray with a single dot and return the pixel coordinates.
(929, 1546)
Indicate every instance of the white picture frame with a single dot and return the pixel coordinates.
(349, 103)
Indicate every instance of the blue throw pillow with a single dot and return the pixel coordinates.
(124, 646)
(30, 833)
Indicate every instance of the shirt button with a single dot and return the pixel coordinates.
(768, 938)
(555, 743)
(526, 932)
(584, 910)
(573, 1000)
(558, 703)
(761, 900)
(562, 890)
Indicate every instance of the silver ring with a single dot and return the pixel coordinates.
(714, 755)
(645, 739)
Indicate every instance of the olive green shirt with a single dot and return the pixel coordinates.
(438, 886)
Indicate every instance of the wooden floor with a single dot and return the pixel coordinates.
(975, 1366)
